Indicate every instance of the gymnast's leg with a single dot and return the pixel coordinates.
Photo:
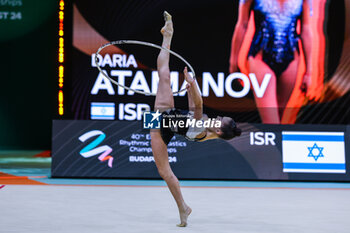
(267, 105)
(286, 83)
(165, 100)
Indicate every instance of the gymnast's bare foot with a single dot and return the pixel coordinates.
(167, 30)
(183, 216)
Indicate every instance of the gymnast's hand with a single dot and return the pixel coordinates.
(188, 78)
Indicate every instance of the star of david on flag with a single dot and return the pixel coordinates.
(318, 153)
(313, 152)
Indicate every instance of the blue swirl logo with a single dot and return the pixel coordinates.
(93, 149)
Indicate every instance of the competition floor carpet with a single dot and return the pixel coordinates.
(31, 201)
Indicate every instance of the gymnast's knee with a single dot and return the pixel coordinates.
(166, 174)
(164, 73)
(155, 137)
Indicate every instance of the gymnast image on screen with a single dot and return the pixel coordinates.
(275, 50)
(164, 103)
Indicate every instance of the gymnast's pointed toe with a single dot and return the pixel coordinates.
(167, 16)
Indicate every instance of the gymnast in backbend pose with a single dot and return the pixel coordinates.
(274, 49)
(165, 103)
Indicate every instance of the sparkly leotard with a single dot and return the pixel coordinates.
(275, 32)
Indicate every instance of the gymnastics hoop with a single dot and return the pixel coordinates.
(139, 43)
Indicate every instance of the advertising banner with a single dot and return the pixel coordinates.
(122, 149)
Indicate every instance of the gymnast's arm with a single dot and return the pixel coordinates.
(306, 36)
(195, 101)
(240, 30)
(191, 106)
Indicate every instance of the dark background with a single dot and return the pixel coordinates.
(28, 64)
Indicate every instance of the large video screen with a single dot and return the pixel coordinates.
(279, 68)
(258, 61)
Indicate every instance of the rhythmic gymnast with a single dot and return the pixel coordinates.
(275, 50)
(165, 103)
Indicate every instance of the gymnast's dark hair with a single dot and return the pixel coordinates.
(230, 130)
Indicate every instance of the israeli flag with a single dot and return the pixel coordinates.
(102, 111)
(313, 152)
